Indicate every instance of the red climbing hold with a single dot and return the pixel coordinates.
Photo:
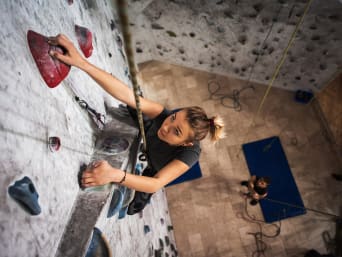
(52, 70)
(84, 38)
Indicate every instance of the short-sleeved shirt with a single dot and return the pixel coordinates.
(161, 153)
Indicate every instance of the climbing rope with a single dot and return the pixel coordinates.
(258, 236)
(122, 12)
(214, 88)
(278, 67)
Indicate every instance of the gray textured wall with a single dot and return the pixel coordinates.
(30, 112)
(227, 36)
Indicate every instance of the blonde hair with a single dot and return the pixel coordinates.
(202, 125)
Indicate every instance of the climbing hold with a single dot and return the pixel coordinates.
(52, 70)
(99, 246)
(84, 38)
(24, 192)
(54, 144)
(146, 229)
(167, 240)
(116, 203)
(123, 212)
(112, 145)
(161, 243)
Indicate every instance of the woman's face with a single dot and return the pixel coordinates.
(175, 129)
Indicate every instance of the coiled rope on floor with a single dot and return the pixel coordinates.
(258, 236)
(123, 17)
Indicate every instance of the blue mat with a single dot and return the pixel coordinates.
(193, 173)
(267, 158)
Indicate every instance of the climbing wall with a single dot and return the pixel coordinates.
(243, 38)
(31, 112)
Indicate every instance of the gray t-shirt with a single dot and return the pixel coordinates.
(161, 153)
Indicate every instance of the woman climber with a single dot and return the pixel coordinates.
(172, 139)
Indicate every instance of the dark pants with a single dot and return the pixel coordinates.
(141, 199)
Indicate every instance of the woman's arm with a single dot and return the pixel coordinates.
(103, 173)
(109, 83)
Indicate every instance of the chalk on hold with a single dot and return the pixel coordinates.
(24, 193)
(52, 70)
(84, 38)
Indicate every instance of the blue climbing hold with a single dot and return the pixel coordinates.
(24, 193)
(98, 246)
(116, 202)
(123, 212)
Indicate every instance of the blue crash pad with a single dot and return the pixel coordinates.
(267, 158)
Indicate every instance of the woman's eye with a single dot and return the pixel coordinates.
(173, 117)
(177, 132)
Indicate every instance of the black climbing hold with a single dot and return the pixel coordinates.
(323, 66)
(258, 7)
(24, 193)
(158, 253)
(138, 50)
(110, 55)
(313, 27)
(242, 39)
(167, 240)
(146, 229)
(156, 26)
(192, 34)
(161, 243)
(112, 25)
(315, 38)
(171, 33)
(228, 14)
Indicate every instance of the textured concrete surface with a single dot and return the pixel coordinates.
(207, 213)
(30, 112)
(243, 38)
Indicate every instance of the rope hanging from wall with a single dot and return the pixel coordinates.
(278, 67)
(123, 17)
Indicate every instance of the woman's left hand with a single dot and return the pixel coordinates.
(98, 174)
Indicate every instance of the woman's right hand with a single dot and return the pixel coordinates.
(72, 56)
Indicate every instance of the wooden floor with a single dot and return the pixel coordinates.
(207, 213)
